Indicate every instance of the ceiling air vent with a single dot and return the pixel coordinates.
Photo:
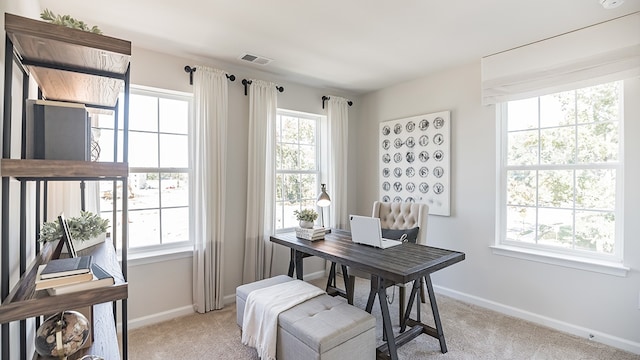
(255, 59)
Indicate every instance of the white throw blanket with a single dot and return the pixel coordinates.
(260, 322)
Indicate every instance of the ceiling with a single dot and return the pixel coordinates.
(355, 46)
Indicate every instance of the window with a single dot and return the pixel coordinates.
(561, 172)
(158, 154)
(297, 165)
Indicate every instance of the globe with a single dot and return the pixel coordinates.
(70, 327)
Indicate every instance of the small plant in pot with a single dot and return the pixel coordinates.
(84, 229)
(306, 217)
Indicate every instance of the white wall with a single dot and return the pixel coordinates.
(573, 300)
(170, 293)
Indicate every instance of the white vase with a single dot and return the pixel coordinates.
(306, 224)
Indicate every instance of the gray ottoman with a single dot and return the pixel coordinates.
(322, 328)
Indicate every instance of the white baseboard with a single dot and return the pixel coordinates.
(590, 334)
(158, 317)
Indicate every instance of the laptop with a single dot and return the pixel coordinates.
(367, 231)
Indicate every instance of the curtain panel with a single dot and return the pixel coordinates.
(260, 223)
(338, 122)
(604, 52)
(208, 161)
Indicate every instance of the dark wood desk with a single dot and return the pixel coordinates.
(397, 265)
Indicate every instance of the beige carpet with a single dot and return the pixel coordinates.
(471, 332)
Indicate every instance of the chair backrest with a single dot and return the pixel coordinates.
(397, 215)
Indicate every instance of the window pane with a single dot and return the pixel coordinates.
(521, 224)
(144, 228)
(307, 157)
(144, 192)
(289, 157)
(595, 231)
(522, 114)
(557, 145)
(175, 225)
(522, 148)
(142, 149)
(307, 131)
(555, 188)
(596, 189)
(174, 116)
(174, 151)
(308, 187)
(107, 196)
(521, 188)
(143, 113)
(555, 227)
(558, 109)
(599, 103)
(598, 143)
(175, 189)
(289, 129)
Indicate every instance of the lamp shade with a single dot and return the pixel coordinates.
(323, 198)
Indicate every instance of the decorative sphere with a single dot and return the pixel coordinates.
(74, 330)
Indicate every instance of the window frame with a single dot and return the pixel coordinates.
(319, 159)
(575, 258)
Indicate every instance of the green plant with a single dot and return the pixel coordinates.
(306, 215)
(68, 21)
(84, 227)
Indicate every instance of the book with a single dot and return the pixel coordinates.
(100, 278)
(317, 233)
(65, 267)
(42, 284)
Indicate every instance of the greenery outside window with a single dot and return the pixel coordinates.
(297, 165)
(158, 193)
(561, 171)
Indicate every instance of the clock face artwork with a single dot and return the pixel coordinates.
(415, 160)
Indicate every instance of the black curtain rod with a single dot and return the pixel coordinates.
(325, 98)
(246, 83)
(191, 70)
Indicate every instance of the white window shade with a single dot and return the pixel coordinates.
(604, 52)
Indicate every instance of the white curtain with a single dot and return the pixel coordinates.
(338, 122)
(593, 55)
(260, 181)
(208, 159)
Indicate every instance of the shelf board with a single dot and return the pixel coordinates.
(44, 45)
(25, 302)
(33, 169)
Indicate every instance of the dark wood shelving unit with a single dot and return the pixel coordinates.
(80, 67)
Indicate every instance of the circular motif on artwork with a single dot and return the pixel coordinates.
(424, 187)
(397, 186)
(438, 155)
(423, 125)
(386, 198)
(397, 172)
(438, 139)
(410, 142)
(397, 199)
(410, 187)
(438, 188)
(397, 157)
(397, 129)
(397, 143)
(438, 171)
(423, 156)
(410, 126)
(410, 157)
(386, 172)
(410, 200)
(386, 158)
(438, 122)
(424, 172)
(410, 171)
(386, 130)
(386, 186)
(424, 140)
(385, 144)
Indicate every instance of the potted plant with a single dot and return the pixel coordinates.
(306, 217)
(86, 230)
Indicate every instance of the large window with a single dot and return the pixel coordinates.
(297, 165)
(561, 172)
(158, 194)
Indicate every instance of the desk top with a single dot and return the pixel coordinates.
(401, 264)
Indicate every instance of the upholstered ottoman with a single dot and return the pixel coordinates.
(321, 328)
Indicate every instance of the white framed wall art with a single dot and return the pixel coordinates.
(415, 161)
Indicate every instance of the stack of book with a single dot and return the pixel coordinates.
(63, 276)
(316, 233)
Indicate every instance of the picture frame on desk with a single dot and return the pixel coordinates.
(66, 236)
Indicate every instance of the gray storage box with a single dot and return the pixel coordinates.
(57, 131)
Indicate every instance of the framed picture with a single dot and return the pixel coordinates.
(415, 161)
(66, 236)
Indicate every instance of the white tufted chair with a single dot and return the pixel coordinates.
(399, 216)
